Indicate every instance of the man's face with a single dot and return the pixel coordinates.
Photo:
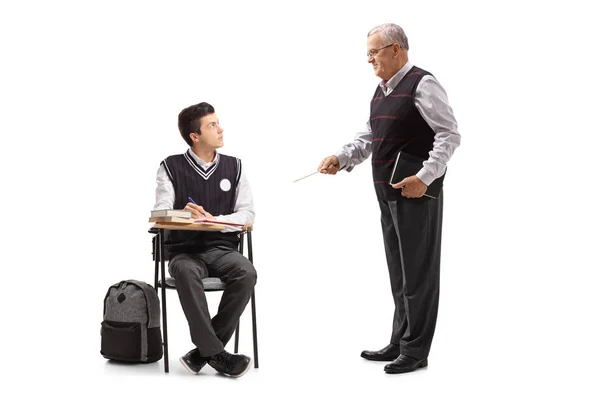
(211, 132)
(383, 61)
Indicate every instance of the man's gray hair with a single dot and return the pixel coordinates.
(391, 33)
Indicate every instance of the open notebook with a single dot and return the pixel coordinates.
(212, 221)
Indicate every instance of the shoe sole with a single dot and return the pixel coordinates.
(241, 373)
(187, 367)
(422, 364)
(379, 359)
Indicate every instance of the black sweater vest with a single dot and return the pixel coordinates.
(397, 126)
(213, 189)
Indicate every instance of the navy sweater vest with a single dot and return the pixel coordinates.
(397, 126)
(213, 189)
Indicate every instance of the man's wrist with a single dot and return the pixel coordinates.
(342, 159)
(425, 176)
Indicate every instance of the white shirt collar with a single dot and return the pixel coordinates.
(201, 162)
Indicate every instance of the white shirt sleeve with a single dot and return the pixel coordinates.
(357, 151)
(432, 103)
(165, 192)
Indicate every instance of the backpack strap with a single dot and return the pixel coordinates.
(151, 302)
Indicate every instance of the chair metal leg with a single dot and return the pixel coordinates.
(253, 299)
(254, 336)
(241, 246)
(249, 246)
(156, 256)
(237, 329)
(161, 234)
(237, 337)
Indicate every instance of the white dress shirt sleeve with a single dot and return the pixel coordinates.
(432, 103)
(165, 192)
(357, 151)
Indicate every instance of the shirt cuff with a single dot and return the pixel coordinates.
(343, 160)
(425, 176)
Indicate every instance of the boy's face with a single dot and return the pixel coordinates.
(211, 132)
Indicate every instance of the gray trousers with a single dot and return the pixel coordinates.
(412, 233)
(239, 275)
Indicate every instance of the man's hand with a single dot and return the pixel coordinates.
(329, 165)
(412, 187)
(198, 211)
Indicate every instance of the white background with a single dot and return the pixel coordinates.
(90, 97)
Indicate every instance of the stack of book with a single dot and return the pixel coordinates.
(184, 217)
(171, 216)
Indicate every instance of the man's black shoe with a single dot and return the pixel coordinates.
(404, 364)
(388, 353)
(233, 365)
(193, 362)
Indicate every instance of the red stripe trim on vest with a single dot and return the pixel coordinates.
(384, 117)
(396, 140)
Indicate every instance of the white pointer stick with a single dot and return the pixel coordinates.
(299, 179)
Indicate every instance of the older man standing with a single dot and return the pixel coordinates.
(409, 113)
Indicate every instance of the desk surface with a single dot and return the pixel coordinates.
(188, 227)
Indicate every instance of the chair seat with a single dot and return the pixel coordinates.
(210, 284)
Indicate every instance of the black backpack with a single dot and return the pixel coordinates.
(131, 327)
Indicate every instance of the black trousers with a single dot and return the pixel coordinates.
(211, 335)
(412, 232)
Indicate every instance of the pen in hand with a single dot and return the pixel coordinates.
(193, 202)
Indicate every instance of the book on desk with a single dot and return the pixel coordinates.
(167, 219)
(172, 220)
(170, 213)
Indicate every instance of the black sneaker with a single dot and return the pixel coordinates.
(233, 365)
(193, 362)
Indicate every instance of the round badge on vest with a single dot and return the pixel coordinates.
(225, 185)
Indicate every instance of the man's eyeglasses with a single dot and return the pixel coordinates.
(373, 52)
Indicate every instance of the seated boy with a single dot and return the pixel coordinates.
(210, 185)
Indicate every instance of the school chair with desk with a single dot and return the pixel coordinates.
(211, 284)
